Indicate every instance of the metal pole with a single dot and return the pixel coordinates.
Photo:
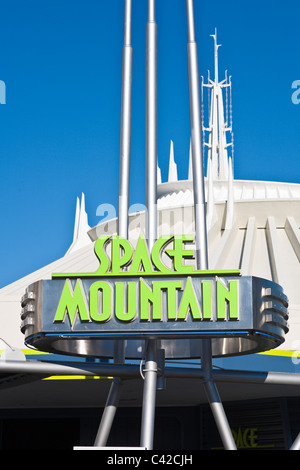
(200, 219)
(69, 368)
(151, 126)
(149, 393)
(149, 396)
(213, 397)
(131, 371)
(296, 444)
(125, 131)
(112, 400)
(123, 209)
(125, 135)
(108, 414)
(196, 140)
(236, 376)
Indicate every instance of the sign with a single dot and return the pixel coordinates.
(135, 294)
(118, 258)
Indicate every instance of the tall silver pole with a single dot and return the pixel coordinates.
(124, 186)
(196, 140)
(125, 131)
(200, 220)
(149, 394)
(125, 141)
(151, 126)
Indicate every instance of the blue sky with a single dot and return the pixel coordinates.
(59, 128)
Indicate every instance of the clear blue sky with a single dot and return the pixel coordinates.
(59, 128)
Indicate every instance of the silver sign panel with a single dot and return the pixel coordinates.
(84, 316)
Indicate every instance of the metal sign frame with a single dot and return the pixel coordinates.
(242, 314)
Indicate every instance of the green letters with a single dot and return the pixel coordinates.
(141, 258)
(156, 254)
(179, 253)
(147, 296)
(101, 255)
(104, 289)
(118, 261)
(189, 303)
(72, 303)
(230, 296)
(115, 253)
(120, 301)
(206, 300)
(149, 300)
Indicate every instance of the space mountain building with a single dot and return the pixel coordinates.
(252, 226)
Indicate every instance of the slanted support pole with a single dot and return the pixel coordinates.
(108, 413)
(214, 398)
(112, 401)
(296, 444)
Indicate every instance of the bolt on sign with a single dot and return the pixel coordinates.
(135, 294)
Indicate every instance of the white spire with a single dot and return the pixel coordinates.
(216, 56)
(75, 234)
(81, 227)
(172, 166)
(218, 127)
(158, 175)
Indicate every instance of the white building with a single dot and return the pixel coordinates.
(252, 226)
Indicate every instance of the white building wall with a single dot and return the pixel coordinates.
(263, 239)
